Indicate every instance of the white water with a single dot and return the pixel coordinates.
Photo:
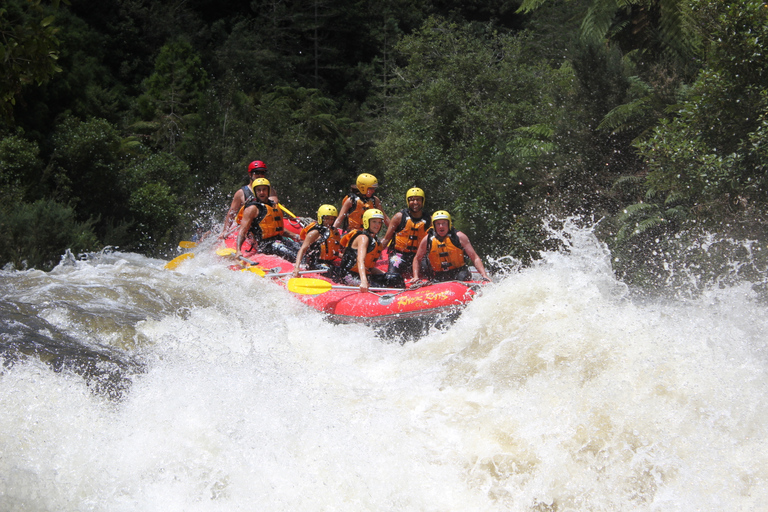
(553, 391)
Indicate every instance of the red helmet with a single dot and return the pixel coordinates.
(257, 164)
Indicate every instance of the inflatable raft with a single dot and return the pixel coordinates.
(395, 311)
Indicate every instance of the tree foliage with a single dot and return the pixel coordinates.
(710, 152)
(474, 115)
(38, 234)
(28, 49)
(650, 114)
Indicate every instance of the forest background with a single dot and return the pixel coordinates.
(130, 123)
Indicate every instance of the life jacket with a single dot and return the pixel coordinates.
(354, 218)
(269, 222)
(328, 246)
(349, 258)
(445, 254)
(248, 196)
(410, 232)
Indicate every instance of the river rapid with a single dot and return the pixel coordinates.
(128, 387)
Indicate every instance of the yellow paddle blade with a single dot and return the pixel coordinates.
(187, 245)
(308, 286)
(175, 262)
(286, 210)
(255, 270)
(226, 251)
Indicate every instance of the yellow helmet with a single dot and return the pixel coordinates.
(366, 181)
(260, 182)
(326, 210)
(373, 213)
(415, 192)
(442, 215)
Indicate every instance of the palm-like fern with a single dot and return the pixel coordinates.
(637, 219)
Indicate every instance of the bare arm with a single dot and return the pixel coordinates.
(377, 202)
(237, 202)
(343, 213)
(472, 255)
(391, 228)
(361, 244)
(248, 215)
(311, 237)
(420, 253)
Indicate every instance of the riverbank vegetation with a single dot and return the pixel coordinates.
(127, 123)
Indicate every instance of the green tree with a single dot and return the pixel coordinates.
(472, 124)
(82, 173)
(21, 170)
(36, 235)
(173, 94)
(707, 155)
(159, 192)
(28, 49)
(710, 153)
(303, 138)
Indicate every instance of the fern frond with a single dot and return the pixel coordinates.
(527, 148)
(650, 222)
(638, 86)
(624, 183)
(638, 211)
(674, 197)
(617, 119)
(538, 130)
(530, 5)
(598, 19)
(677, 213)
(651, 194)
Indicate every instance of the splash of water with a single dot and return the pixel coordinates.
(555, 390)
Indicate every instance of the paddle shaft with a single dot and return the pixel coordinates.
(339, 287)
(300, 272)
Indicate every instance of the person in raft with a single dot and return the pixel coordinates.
(358, 201)
(405, 232)
(444, 249)
(256, 169)
(362, 249)
(321, 242)
(263, 219)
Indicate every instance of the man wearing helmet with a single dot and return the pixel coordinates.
(263, 220)
(405, 232)
(322, 241)
(444, 249)
(358, 201)
(358, 264)
(256, 169)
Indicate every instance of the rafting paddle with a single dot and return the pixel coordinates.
(187, 245)
(287, 211)
(227, 251)
(281, 274)
(310, 286)
(175, 262)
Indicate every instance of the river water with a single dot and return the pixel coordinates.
(128, 387)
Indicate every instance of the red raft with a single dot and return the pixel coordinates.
(399, 311)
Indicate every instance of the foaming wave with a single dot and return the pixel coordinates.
(557, 389)
(569, 395)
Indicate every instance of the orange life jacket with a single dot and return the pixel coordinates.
(410, 232)
(349, 259)
(269, 222)
(445, 254)
(329, 243)
(354, 218)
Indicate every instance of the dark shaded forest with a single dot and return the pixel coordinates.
(130, 123)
